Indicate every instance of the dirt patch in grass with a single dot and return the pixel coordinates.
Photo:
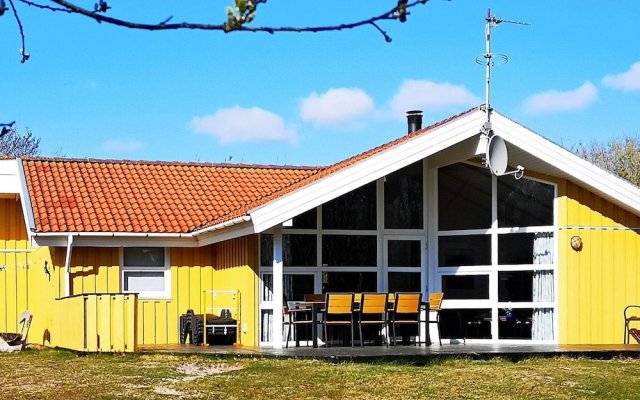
(54, 374)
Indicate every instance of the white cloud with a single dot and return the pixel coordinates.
(122, 146)
(237, 124)
(429, 96)
(336, 106)
(554, 100)
(626, 81)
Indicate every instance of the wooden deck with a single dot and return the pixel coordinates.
(413, 354)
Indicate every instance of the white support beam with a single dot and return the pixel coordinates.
(277, 288)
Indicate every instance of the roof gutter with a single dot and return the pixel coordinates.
(226, 224)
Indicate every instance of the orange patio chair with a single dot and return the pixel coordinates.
(373, 311)
(435, 305)
(338, 312)
(406, 312)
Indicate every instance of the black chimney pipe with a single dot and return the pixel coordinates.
(414, 120)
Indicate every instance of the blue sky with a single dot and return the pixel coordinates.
(93, 90)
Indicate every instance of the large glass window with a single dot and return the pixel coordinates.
(349, 250)
(463, 287)
(495, 232)
(307, 220)
(299, 250)
(404, 282)
(266, 250)
(455, 251)
(294, 286)
(464, 197)
(145, 271)
(349, 282)
(355, 210)
(524, 202)
(403, 198)
(525, 248)
(465, 324)
(515, 323)
(404, 253)
(515, 286)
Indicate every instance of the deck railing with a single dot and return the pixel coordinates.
(96, 322)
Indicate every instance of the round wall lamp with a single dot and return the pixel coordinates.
(576, 243)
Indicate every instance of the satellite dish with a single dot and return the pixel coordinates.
(497, 157)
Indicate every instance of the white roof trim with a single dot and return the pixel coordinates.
(435, 140)
(604, 183)
(25, 197)
(381, 164)
(367, 170)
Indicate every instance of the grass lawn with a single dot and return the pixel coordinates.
(60, 374)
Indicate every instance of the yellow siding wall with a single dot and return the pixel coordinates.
(230, 265)
(14, 266)
(23, 281)
(595, 284)
(95, 270)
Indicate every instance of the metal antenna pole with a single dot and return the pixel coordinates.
(489, 60)
(488, 56)
(492, 146)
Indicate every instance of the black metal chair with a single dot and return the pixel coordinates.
(631, 315)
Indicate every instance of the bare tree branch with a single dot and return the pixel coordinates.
(15, 144)
(399, 12)
(43, 6)
(23, 49)
(238, 18)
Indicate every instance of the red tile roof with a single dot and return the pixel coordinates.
(127, 196)
(85, 195)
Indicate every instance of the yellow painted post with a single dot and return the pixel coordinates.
(91, 322)
(117, 323)
(131, 322)
(104, 328)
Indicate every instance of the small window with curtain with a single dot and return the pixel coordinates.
(145, 270)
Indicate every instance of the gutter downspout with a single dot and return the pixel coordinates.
(67, 267)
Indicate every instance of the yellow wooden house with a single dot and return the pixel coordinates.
(109, 254)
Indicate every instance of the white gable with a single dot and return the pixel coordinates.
(526, 147)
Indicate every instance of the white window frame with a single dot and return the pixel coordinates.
(149, 294)
(386, 269)
(436, 272)
(382, 235)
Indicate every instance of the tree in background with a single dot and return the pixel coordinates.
(240, 17)
(618, 156)
(15, 144)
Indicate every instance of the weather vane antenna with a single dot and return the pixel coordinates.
(489, 59)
